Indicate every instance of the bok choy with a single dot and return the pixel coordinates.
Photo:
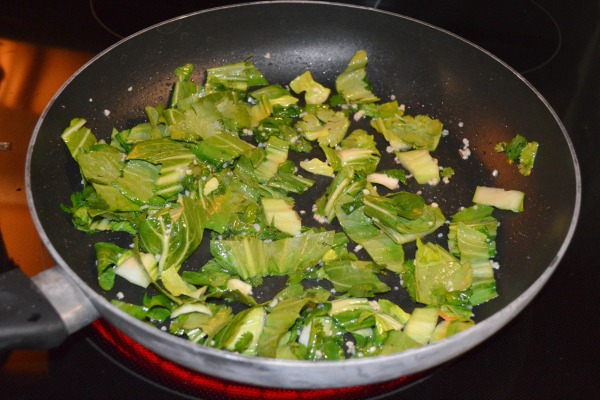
(218, 166)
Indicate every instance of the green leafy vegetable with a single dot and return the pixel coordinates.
(353, 84)
(172, 233)
(360, 228)
(250, 257)
(243, 331)
(279, 320)
(421, 324)
(512, 200)
(472, 234)
(314, 92)
(78, 138)
(403, 216)
(519, 151)
(238, 76)
(438, 273)
(358, 278)
(405, 132)
(316, 166)
(421, 165)
(218, 162)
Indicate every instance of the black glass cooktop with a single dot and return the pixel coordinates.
(549, 351)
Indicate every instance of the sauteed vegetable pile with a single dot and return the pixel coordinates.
(225, 161)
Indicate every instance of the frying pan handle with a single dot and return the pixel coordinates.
(39, 313)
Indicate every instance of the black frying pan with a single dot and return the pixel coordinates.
(431, 71)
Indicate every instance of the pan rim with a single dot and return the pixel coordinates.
(444, 350)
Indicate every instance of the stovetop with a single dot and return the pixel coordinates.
(550, 350)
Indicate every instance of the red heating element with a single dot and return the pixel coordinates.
(207, 387)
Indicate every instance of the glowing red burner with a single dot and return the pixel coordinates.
(193, 383)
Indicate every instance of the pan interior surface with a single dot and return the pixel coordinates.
(432, 72)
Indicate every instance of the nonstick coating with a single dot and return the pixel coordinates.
(475, 95)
